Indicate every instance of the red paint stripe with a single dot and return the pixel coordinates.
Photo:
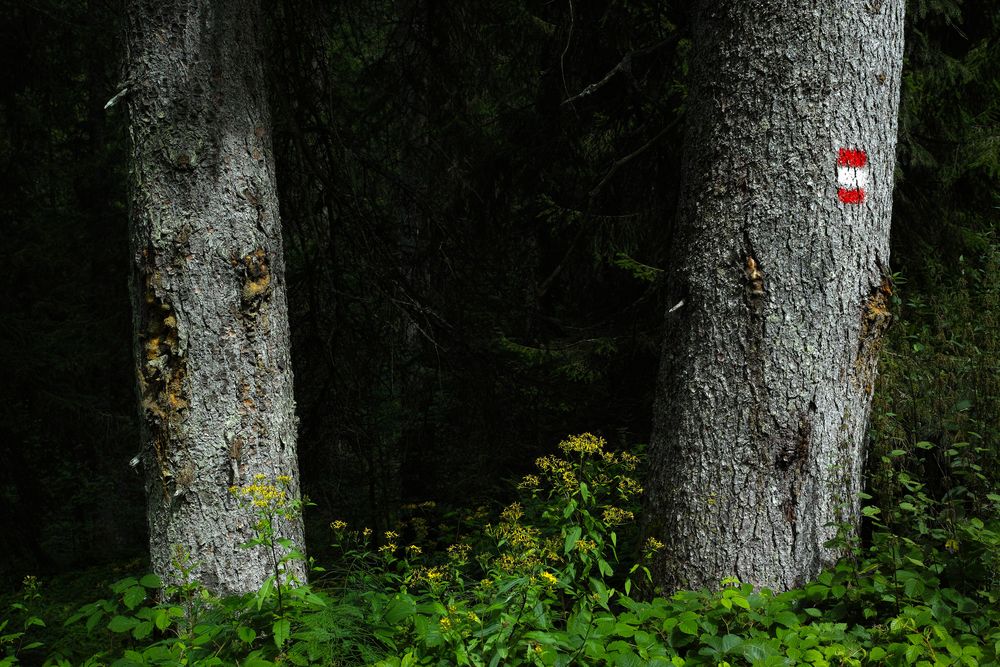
(852, 157)
(851, 195)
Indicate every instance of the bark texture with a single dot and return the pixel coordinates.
(768, 366)
(211, 324)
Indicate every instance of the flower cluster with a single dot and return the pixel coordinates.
(561, 472)
(432, 575)
(615, 516)
(391, 543)
(586, 444)
(628, 487)
(529, 482)
(522, 547)
(261, 494)
(651, 546)
(459, 552)
(512, 513)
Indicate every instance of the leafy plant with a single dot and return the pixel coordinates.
(546, 583)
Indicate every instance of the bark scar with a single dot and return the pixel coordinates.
(753, 276)
(875, 320)
(162, 373)
(755, 282)
(753, 287)
(256, 289)
(791, 460)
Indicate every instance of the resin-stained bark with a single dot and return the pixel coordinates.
(212, 340)
(767, 367)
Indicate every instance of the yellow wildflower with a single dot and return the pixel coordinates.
(552, 549)
(549, 579)
(459, 552)
(445, 623)
(414, 550)
(507, 562)
(586, 546)
(585, 443)
(338, 525)
(529, 482)
(615, 516)
(260, 495)
(652, 545)
(629, 461)
(628, 487)
(569, 481)
(512, 512)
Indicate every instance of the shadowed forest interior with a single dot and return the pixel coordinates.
(477, 207)
(478, 204)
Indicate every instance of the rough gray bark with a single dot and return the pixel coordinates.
(211, 325)
(767, 367)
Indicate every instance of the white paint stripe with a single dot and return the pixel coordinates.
(852, 177)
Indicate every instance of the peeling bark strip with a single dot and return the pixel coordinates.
(211, 324)
(766, 373)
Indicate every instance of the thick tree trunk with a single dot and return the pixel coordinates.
(212, 340)
(767, 367)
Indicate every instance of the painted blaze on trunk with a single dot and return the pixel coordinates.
(211, 325)
(781, 256)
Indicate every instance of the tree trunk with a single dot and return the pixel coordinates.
(211, 323)
(781, 257)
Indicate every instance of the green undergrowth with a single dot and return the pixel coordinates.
(557, 578)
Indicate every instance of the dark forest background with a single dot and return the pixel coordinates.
(477, 201)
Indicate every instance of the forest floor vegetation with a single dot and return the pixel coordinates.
(559, 577)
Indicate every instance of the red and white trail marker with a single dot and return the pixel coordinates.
(852, 175)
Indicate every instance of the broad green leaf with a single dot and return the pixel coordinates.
(265, 592)
(281, 629)
(134, 596)
(730, 642)
(122, 624)
(572, 537)
(688, 627)
(402, 606)
(787, 619)
(142, 630)
(162, 619)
